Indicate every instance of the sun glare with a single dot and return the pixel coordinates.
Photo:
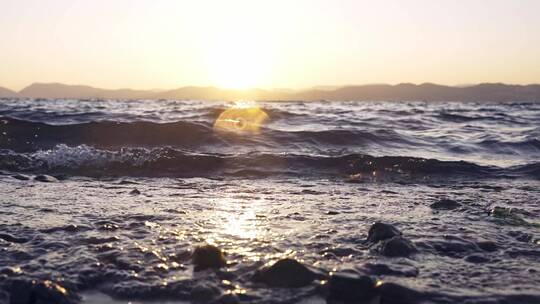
(238, 59)
(243, 117)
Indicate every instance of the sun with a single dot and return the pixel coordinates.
(238, 59)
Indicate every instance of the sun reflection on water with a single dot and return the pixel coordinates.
(242, 117)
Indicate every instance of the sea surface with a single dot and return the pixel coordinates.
(105, 201)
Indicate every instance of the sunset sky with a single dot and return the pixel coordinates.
(270, 44)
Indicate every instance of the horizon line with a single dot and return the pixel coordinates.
(313, 87)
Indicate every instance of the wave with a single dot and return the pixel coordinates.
(29, 136)
(168, 162)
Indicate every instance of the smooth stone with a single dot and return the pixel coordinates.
(397, 246)
(30, 292)
(21, 177)
(392, 293)
(507, 214)
(208, 256)
(488, 246)
(381, 231)
(445, 204)
(204, 292)
(476, 259)
(20, 292)
(285, 273)
(46, 178)
(12, 239)
(350, 288)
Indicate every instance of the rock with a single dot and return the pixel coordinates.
(332, 212)
(445, 204)
(508, 215)
(30, 292)
(350, 288)
(397, 246)
(12, 239)
(20, 292)
(208, 256)
(135, 192)
(394, 270)
(204, 292)
(285, 273)
(381, 231)
(488, 246)
(476, 259)
(21, 177)
(46, 178)
(392, 293)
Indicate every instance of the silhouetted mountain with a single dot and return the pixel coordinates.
(7, 93)
(405, 92)
(59, 90)
(428, 92)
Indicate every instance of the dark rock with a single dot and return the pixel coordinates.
(227, 298)
(3, 297)
(46, 178)
(285, 273)
(135, 192)
(30, 292)
(453, 246)
(509, 215)
(20, 292)
(393, 270)
(397, 246)
(392, 293)
(10, 271)
(381, 231)
(476, 259)
(350, 288)
(208, 256)
(332, 212)
(204, 292)
(12, 239)
(487, 246)
(21, 177)
(339, 251)
(445, 204)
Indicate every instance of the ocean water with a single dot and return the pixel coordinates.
(138, 184)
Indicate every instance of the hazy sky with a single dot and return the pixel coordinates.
(290, 43)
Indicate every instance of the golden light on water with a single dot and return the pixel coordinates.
(243, 117)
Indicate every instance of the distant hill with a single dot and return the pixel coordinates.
(59, 90)
(7, 93)
(428, 92)
(402, 92)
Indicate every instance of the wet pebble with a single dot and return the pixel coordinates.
(30, 292)
(204, 292)
(46, 178)
(392, 293)
(208, 256)
(476, 259)
(12, 239)
(445, 204)
(135, 192)
(350, 288)
(21, 177)
(487, 246)
(381, 231)
(397, 246)
(285, 273)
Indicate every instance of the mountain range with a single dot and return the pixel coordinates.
(498, 92)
